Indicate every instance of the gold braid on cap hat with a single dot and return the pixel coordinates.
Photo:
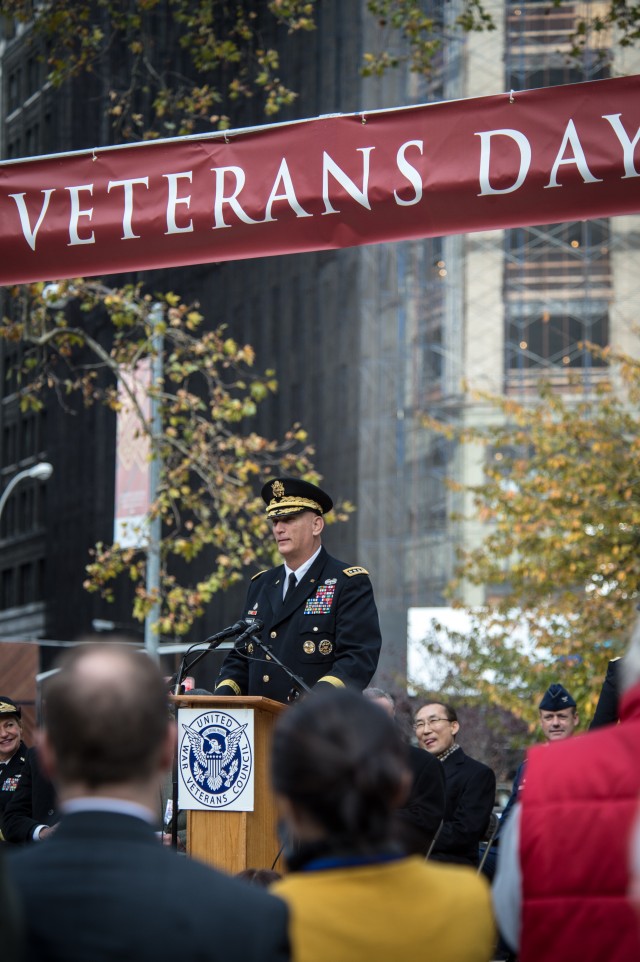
(6, 707)
(293, 502)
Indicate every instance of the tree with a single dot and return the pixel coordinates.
(210, 459)
(222, 59)
(561, 557)
(425, 34)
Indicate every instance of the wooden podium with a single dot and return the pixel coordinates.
(233, 841)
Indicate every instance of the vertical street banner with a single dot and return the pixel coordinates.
(520, 158)
(133, 451)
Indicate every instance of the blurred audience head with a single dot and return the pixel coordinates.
(339, 771)
(106, 719)
(381, 698)
(631, 660)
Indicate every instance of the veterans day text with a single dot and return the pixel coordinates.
(533, 157)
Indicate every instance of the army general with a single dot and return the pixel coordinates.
(319, 614)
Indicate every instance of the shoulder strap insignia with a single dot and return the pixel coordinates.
(350, 572)
(259, 573)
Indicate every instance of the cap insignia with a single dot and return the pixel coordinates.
(278, 489)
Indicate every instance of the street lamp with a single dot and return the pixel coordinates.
(39, 472)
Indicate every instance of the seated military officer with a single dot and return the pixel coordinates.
(318, 614)
(13, 751)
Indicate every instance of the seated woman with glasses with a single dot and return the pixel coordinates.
(339, 770)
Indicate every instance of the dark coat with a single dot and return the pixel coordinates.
(607, 710)
(470, 788)
(327, 630)
(33, 803)
(104, 888)
(421, 816)
(10, 775)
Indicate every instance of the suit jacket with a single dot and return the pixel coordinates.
(470, 788)
(103, 888)
(326, 632)
(421, 816)
(33, 803)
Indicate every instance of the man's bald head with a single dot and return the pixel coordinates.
(106, 715)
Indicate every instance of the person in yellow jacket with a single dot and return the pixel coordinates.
(339, 770)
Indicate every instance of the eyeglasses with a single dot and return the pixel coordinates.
(433, 720)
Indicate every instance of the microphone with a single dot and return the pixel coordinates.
(245, 625)
(228, 632)
(250, 625)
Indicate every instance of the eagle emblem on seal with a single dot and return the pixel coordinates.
(215, 765)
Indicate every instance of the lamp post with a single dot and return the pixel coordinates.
(39, 472)
(151, 633)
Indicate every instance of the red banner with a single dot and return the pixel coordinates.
(536, 157)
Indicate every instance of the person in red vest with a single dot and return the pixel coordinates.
(562, 883)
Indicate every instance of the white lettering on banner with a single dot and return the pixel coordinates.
(410, 172)
(329, 166)
(77, 213)
(485, 157)
(30, 235)
(628, 146)
(127, 215)
(220, 198)
(173, 200)
(578, 158)
(147, 198)
(289, 195)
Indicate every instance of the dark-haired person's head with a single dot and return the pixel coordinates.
(106, 719)
(436, 726)
(339, 770)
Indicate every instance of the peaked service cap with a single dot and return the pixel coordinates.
(287, 496)
(9, 707)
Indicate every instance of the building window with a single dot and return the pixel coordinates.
(557, 277)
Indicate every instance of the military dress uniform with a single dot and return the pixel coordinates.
(11, 770)
(10, 773)
(327, 629)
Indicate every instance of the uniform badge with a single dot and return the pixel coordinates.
(278, 489)
(331, 581)
(309, 647)
(250, 648)
(320, 603)
(325, 647)
(356, 570)
(10, 784)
